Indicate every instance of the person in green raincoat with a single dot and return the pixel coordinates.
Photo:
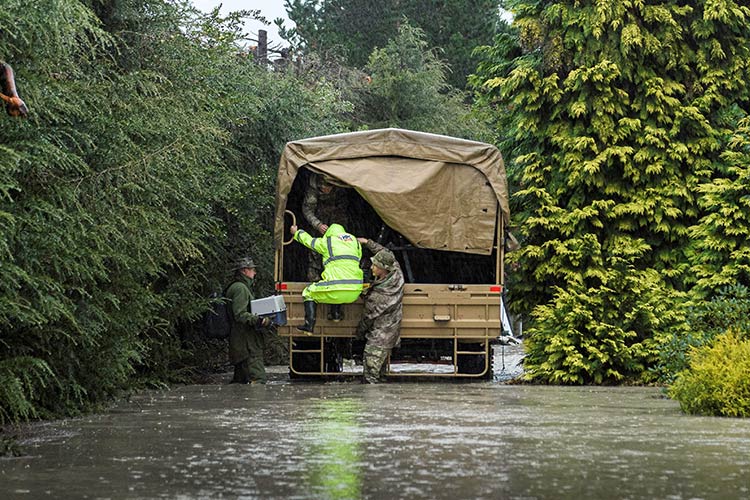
(341, 280)
(246, 340)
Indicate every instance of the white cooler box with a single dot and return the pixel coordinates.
(272, 306)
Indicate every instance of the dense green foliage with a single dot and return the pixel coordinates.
(721, 254)
(706, 319)
(354, 28)
(614, 118)
(602, 335)
(147, 162)
(149, 157)
(407, 88)
(403, 85)
(717, 382)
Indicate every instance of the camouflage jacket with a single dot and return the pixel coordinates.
(320, 208)
(381, 318)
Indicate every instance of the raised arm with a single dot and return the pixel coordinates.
(372, 246)
(310, 204)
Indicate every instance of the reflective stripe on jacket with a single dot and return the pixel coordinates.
(341, 253)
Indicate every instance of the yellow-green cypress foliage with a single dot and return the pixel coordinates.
(722, 237)
(612, 114)
(717, 381)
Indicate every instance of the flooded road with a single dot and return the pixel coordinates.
(397, 440)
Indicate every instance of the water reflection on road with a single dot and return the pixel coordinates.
(398, 440)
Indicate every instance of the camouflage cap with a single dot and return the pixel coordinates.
(384, 259)
(243, 263)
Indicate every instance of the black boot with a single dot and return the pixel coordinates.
(309, 325)
(335, 312)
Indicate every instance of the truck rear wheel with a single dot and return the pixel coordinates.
(334, 355)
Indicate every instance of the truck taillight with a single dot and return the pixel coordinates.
(280, 286)
(496, 288)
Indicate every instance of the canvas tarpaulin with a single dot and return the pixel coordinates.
(439, 192)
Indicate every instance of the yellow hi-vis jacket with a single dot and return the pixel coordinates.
(341, 255)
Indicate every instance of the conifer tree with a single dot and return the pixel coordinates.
(354, 28)
(721, 252)
(147, 162)
(612, 114)
(407, 88)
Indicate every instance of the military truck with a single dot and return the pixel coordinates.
(441, 205)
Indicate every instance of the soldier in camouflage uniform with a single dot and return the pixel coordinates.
(324, 204)
(381, 318)
(246, 340)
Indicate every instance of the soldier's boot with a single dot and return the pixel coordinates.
(309, 325)
(335, 312)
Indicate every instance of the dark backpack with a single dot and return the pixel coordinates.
(217, 321)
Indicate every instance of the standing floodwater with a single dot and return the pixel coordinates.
(398, 440)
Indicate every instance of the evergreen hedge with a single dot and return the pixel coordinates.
(147, 163)
(717, 382)
(617, 119)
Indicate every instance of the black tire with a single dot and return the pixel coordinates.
(334, 355)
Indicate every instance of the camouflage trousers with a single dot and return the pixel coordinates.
(374, 363)
(314, 266)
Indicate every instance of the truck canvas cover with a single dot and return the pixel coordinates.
(439, 192)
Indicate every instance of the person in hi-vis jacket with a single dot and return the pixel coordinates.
(341, 280)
